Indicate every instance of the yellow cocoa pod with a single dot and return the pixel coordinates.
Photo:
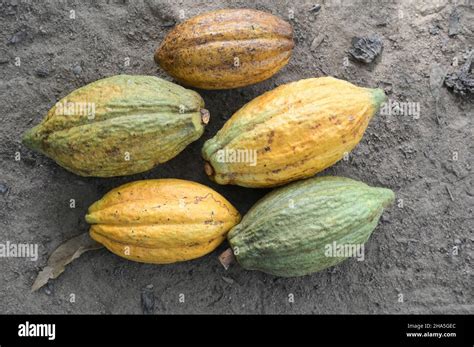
(161, 221)
(291, 132)
(226, 48)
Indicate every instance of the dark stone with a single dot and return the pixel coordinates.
(366, 49)
(462, 81)
(435, 29)
(42, 71)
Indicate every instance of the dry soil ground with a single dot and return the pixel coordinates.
(422, 248)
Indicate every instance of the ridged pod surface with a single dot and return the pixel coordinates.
(291, 132)
(161, 221)
(226, 48)
(119, 125)
(288, 231)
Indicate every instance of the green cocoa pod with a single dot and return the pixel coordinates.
(293, 230)
(120, 125)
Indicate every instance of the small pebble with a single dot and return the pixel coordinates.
(3, 188)
(77, 69)
(315, 8)
(228, 280)
(168, 24)
(457, 241)
(18, 37)
(434, 29)
(42, 72)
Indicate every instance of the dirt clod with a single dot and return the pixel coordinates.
(366, 49)
(462, 81)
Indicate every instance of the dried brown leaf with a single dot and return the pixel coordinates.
(63, 255)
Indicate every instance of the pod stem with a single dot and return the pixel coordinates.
(205, 116)
(227, 258)
(208, 169)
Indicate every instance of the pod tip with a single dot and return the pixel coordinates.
(227, 258)
(387, 197)
(205, 116)
(208, 169)
(378, 97)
